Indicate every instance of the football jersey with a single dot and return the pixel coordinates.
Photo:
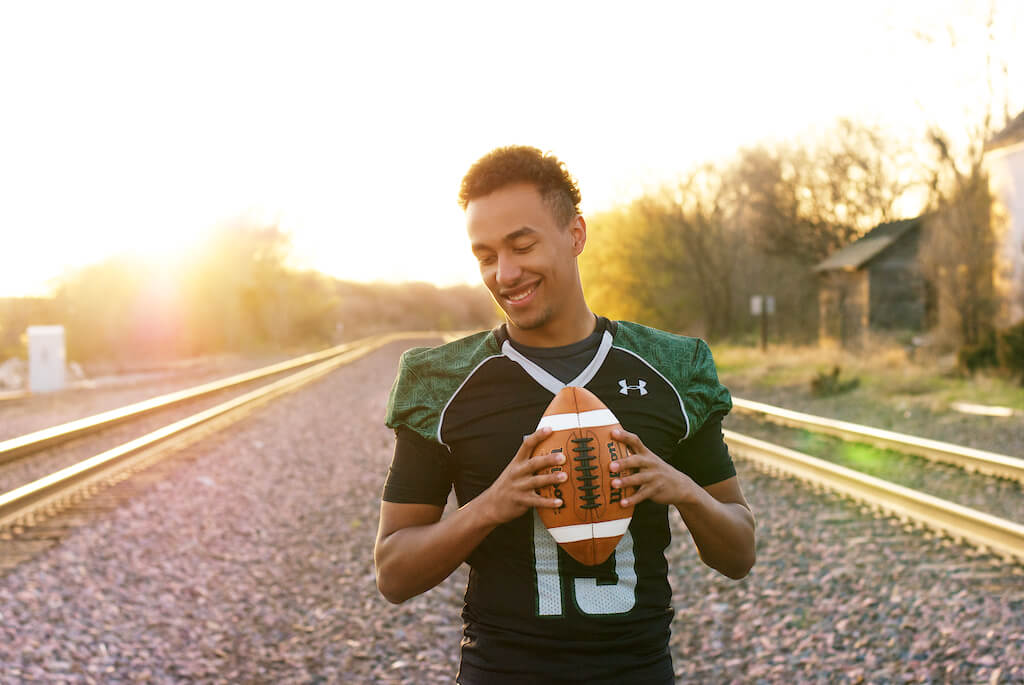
(532, 613)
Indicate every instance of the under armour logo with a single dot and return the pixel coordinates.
(641, 385)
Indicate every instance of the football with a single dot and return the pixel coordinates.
(591, 520)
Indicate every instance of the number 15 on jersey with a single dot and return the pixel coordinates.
(591, 598)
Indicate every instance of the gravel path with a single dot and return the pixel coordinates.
(253, 563)
(841, 596)
(997, 496)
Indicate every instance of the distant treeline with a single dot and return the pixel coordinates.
(235, 293)
(688, 256)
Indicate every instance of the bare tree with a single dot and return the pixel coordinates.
(959, 246)
(810, 200)
(694, 232)
(959, 251)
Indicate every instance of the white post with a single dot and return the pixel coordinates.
(46, 358)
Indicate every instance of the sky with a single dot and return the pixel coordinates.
(138, 127)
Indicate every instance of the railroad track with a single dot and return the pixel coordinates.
(43, 497)
(26, 505)
(1000, 536)
(32, 443)
(967, 458)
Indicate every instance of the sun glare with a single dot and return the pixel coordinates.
(354, 130)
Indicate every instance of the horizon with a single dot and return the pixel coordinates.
(351, 129)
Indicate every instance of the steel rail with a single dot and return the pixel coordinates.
(967, 458)
(21, 446)
(58, 486)
(999, 535)
(13, 395)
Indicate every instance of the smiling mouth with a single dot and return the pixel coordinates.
(520, 297)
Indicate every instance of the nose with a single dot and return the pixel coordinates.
(509, 271)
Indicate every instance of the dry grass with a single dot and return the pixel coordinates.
(887, 373)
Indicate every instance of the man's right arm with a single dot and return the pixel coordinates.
(417, 549)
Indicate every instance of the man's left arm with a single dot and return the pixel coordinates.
(717, 515)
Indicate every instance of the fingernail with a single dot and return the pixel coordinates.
(614, 466)
(624, 502)
(560, 459)
(616, 483)
(562, 476)
(558, 502)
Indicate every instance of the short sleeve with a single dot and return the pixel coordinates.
(704, 395)
(411, 402)
(420, 470)
(704, 457)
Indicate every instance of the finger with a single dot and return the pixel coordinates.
(546, 479)
(633, 461)
(634, 480)
(531, 441)
(640, 495)
(544, 461)
(631, 440)
(539, 502)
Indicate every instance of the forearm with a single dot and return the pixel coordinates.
(412, 560)
(722, 531)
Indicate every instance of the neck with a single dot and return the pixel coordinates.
(573, 327)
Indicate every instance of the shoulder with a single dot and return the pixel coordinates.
(446, 362)
(675, 353)
(685, 362)
(428, 377)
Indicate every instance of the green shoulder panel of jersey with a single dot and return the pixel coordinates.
(685, 362)
(428, 377)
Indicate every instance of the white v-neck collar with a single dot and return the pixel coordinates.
(549, 382)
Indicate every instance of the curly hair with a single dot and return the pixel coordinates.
(505, 166)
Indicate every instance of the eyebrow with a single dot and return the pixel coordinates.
(510, 238)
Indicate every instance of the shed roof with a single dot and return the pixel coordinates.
(864, 249)
(1011, 135)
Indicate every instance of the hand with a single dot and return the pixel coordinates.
(654, 478)
(514, 491)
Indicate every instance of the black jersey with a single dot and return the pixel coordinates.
(532, 613)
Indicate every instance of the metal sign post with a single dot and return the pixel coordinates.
(763, 305)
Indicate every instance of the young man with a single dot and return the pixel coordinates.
(533, 614)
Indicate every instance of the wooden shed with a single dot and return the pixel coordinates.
(1004, 161)
(874, 285)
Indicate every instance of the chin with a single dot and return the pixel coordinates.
(528, 322)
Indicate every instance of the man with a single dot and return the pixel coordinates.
(460, 411)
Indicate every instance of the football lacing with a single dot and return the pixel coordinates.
(586, 478)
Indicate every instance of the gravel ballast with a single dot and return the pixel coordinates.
(1000, 497)
(253, 563)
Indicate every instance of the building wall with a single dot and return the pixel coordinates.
(896, 288)
(1006, 178)
(843, 301)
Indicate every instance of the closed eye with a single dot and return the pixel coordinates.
(524, 249)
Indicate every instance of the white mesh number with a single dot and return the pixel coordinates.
(590, 597)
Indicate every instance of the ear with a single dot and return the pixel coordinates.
(578, 233)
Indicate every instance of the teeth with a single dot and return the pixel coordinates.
(519, 298)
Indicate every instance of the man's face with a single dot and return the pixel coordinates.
(527, 260)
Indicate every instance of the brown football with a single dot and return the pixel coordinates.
(591, 521)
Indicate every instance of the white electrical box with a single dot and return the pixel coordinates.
(45, 358)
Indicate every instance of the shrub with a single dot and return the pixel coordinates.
(970, 358)
(827, 384)
(1010, 350)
